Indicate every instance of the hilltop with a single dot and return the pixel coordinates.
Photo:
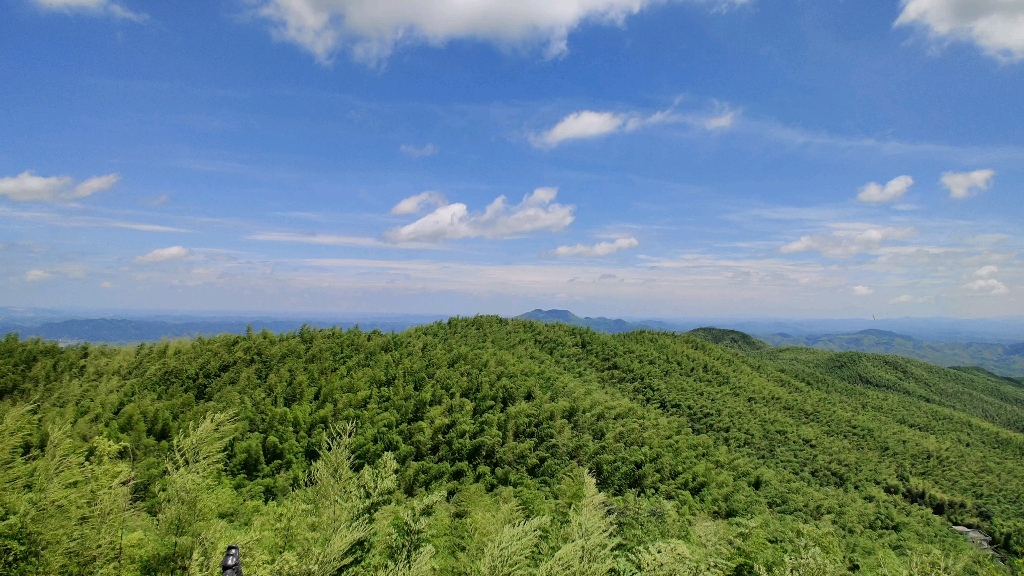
(442, 445)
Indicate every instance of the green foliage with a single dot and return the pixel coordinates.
(729, 339)
(493, 447)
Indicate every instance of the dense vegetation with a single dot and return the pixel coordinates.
(488, 446)
(1004, 359)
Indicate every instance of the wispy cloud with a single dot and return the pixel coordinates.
(596, 250)
(324, 239)
(63, 219)
(133, 226)
(589, 124)
(536, 212)
(579, 126)
(848, 240)
(414, 204)
(28, 187)
(428, 149)
(37, 275)
(98, 7)
(163, 255)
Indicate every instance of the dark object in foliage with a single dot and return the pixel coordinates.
(231, 565)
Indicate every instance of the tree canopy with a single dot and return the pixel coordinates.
(492, 446)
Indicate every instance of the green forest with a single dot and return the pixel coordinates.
(494, 447)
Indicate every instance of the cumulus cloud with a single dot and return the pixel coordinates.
(893, 189)
(37, 275)
(994, 25)
(163, 255)
(419, 152)
(986, 271)
(905, 299)
(862, 291)
(989, 286)
(599, 249)
(105, 7)
(28, 187)
(963, 184)
(374, 28)
(414, 204)
(537, 211)
(848, 240)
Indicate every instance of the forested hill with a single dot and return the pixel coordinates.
(1004, 359)
(494, 446)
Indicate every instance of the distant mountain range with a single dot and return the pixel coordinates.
(599, 324)
(1002, 359)
(123, 331)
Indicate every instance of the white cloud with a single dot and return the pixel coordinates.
(862, 291)
(848, 240)
(580, 125)
(163, 255)
(428, 150)
(499, 220)
(374, 28)
(143, 227)
(992, 286)
(95, 184)
(93, 6)
(997, 26)
(905, 299)
(587, 124)
(325, 239)
(414, 204)
(724, 118)
(875, 192)
(961, 184)
(37, 275)
(106, 284)
(986, 271)
(599, 249)
(28, 187)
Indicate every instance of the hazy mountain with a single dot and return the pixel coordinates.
(599, 324)
(108, 330)
(1003, 359)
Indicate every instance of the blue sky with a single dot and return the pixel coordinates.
(615, 157)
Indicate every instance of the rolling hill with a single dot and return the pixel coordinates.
(440, 446)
